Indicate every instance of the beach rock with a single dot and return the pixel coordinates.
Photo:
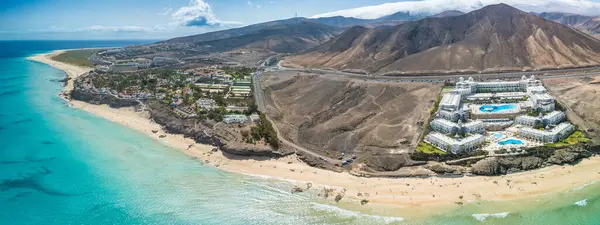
(364, 201)
(316, 162)
(568, 155)
(339, 197)
(388, 162)
(297, 189)
(488, 167)
(102, 99)
(503, 165)
(250, 150)
(531, 162)
(443, 168)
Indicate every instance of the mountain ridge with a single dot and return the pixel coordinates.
(493, 38)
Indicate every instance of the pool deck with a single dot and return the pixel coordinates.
(493, 145)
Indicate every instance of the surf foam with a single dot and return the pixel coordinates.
(581, 203)
(483, 217)
(352, 214)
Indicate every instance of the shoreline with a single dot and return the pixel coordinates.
(405, 195)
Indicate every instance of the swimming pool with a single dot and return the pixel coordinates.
(511, 142)
(496, 108)
(498, 135)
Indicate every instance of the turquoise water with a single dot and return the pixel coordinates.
(511, 142)
(496, 108)
(498, 135)
(59, 165)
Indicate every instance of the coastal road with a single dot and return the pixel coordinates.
(258, 92)
(574, 72)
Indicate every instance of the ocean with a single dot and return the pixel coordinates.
(60, 165)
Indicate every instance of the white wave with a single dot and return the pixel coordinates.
(581, 203)
(583, 186)
(483, 217)
(352, 214)
(431, 7)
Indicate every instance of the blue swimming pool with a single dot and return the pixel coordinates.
(498, 135)
(511, 142)
(496, 108)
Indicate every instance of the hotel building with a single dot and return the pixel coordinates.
(453, 145)
(494, 106)
(556, 134)
(449, 127)
(551, 118)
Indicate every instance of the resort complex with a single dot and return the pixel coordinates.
(497, 115)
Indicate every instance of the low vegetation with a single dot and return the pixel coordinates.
(76, 57)
(424, 147)
(575, 138)
(263, 130)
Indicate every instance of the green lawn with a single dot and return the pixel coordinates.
(573, 139)
(426, 148)
(447, 88)
(76, 57)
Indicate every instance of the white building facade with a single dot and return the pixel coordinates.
(453, 145)
(556, 134)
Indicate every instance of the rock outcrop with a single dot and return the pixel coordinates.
(204, 132)
(498, 166)
(102, 99)
(443, 168)
(568, 156)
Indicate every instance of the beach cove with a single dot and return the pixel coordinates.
(408, 194)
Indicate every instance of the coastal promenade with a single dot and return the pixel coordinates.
(420, 196)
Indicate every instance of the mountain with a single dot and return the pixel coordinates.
(431, 7)
(587, 24)
(448, 13)
(340, 21)
(283, 38)
(401, 16)
(234, 32)
(568, 19)
(494, 38)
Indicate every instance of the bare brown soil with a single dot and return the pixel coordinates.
(379, 122)
(581, 97)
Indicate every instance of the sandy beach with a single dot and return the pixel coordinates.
(405, 193)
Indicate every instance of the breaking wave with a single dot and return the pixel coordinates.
(352, 214)
(581, 203)
(483, 217)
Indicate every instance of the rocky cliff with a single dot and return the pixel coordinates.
(102, 99)
(206, 132)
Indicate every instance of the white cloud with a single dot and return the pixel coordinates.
(198, 14)
(167, 11)
(585, 7)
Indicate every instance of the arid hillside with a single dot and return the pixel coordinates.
(588, 24)
(494, 38)
(581, 97)
(331, 115)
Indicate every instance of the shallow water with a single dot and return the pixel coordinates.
(60, 165)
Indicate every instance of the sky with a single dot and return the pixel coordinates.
(164, 19)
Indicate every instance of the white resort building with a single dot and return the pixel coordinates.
(235, 118)
(553, 135)
(551, 118)
(455, 145)
(495, 106)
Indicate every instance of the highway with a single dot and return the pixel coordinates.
(258, 92)
(447, 77)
